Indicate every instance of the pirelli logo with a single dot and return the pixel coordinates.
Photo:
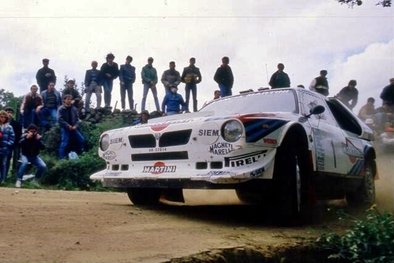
(243, 159)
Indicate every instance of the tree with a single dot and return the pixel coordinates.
(7, 99)
(351, 3)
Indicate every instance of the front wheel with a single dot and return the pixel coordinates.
(294, 195)
(144, 196)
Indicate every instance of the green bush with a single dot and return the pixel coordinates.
(369, 240)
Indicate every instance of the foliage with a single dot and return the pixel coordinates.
(369, 240)
(351, 3)
(7, 99)
(73, 174)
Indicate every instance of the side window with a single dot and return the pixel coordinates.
(344, 118)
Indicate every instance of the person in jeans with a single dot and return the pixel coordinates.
(68, 121)
(127, 78)
(7, 138)
(173, 102)
(224, 78)
(149, 79)
(191, 76)
(29, 105)
(93, 85)
(109, 71)
(47, 112)
(30, 145)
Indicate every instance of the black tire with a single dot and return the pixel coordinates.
(365, 194)
(294, 189)
(144, 196)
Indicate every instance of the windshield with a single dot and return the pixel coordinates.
(267, 101)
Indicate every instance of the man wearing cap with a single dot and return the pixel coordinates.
(149, 79)
(45, 75)
(349, 94)
(127, 78)
(320, 84)
(109, 71)
(173, 102)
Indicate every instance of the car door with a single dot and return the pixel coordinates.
(327, 138)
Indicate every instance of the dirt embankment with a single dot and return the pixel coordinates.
(59, 226)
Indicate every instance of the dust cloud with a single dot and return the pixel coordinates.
(385, 183)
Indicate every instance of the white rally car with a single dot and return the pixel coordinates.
(288, 147)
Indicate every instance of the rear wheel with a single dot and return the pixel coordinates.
(144, 196)
(365, 193)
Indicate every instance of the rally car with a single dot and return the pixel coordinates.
(287, 147)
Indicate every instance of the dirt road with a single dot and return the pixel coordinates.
(65, 226)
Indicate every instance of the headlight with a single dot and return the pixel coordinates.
(104, 142)
(232, 131)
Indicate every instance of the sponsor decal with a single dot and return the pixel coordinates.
(208, 132)
(257, 172)
(221, 148)
(244, 159)
(319, 148)
(270, 141)
(109, 155)
(116, 140)
(159, 126)
(352, 151)
(159, 168)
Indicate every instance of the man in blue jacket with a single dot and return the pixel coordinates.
(127, 78)
(173, 102)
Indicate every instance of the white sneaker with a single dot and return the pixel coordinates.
(27, 177)
(18, 184)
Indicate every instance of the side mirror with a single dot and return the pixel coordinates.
(318, 109)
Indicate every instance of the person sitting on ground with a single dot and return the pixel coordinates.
(31, 144)
(68, 121)
(173, 102)
(76, 97)
(29, 105)
(47, 112)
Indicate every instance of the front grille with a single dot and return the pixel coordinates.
(163, 156)
(142, 141)
(175, 138)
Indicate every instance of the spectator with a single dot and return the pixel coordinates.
(387, 94)
(127, 78)
(320, 84)
(30, 145)
(149, 79)
(279, 79)
(349, 94)
(109, 71)
(7, 139)
(170, 77)
(71, 90)
(224, 78)
(191, 76)
(144, 117)
(368, 110)
(93, 85)
(14, 149)
(45, 75)
(47, 112)
(173, 102)
(216, 94)
(29, 105)
(68, 121)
